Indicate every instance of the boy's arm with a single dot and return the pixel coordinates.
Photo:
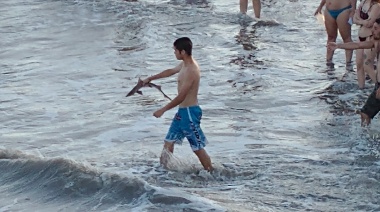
(182, 93)
(164, 74)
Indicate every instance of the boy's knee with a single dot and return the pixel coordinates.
(200, 153)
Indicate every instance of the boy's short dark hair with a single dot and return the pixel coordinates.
(184, 43)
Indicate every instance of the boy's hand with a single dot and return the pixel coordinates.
(159, 113)
(147, 80)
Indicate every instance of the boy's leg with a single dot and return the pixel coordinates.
(365, 120)
(195, 136)
(166, 153)
(204, 159)
(174, 135)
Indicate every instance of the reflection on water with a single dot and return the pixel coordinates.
(247, 39)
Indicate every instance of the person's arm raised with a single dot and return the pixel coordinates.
(164, 74)
(182, 93)
(351, 45)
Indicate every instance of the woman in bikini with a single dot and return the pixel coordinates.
(338, 16)
(365, 16)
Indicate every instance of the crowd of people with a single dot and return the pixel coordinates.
(340, 16)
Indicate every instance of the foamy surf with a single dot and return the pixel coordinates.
(72, 186)
(275, 146)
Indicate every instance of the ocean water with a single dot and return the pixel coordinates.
(282, 129)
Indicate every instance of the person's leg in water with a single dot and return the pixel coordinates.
(369, 60)
(175, 135)
(360, 68)
(345, 32)
(204, 158)
(256, 7)
(365, 120)
(202, 155)
(371, 107)
(332, 33)
(243, 6)
(166, 154)
(186, 122)
(195, 135)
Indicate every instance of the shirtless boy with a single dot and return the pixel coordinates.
(372, 105)
(186, 122)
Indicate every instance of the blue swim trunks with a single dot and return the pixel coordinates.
(186, 123)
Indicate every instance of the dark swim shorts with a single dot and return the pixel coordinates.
(372, 105)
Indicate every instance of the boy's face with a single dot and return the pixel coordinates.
(178, 53)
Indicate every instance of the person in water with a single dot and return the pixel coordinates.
(365, 16)
(187, 120)
(338, 16)
(372, 105)
(256, 7)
